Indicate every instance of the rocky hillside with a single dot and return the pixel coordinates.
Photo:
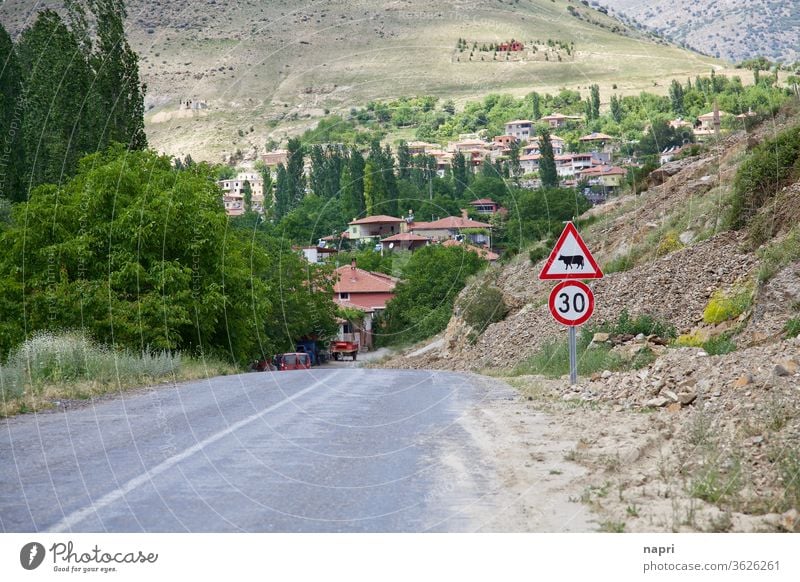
(727, 29)
(729, 423)
(262, 70)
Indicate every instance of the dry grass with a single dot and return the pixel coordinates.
(54, 367)
(288, 62)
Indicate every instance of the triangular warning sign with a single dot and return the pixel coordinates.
(570, 258)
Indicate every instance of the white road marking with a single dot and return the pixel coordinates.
(78, 516)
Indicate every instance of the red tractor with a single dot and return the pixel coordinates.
(341, 349)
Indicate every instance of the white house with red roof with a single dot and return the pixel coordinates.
(365, 291)
(559, 145)
(557, 120)
(452, 226)
(375, 226)
(405, 241)
(522, 129)
(606, 176)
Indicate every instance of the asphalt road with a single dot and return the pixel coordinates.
(325, 450)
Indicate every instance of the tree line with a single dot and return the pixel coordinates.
(68, 87)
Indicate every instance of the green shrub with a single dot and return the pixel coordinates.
(770, 166)
(645, 324)
(689, 340)
(719, 345)
(792, 328)
(48, 358)
(668, 243)
(482, 306)
(620, 264)
(779, 254)
(538, 253)
(552, 359)
(726, 306)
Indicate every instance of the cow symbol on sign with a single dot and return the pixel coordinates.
(570, 260)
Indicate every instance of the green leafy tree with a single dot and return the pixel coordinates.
(283, 192)
(547, 164)
(460, 175)
(111, 253)
(676, 98)
(56, 129)
(536, 104)
(12, 167)
(118, 94)
(247, 195)
(616, 109)
(295, 179)
(423, 301)
(513, 158)
(403, 161)
(595, 101)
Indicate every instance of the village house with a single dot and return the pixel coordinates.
(486, 206)
(521, 129)
(505, 141)
(601, 140)
(375, 226)
(365, 291)
(529, 163)
(669, 154)
(318, 254)
(609, 177)
(421, 147)
(564, 166)
(558, 144)
(272, 159)
(513, 46)
(709, 123)
(233, 192)
(405, 241)
(557, 120)
(454, 226)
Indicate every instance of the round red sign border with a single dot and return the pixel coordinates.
(552, 303)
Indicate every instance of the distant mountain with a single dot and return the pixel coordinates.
(258, 70)
(728, 29)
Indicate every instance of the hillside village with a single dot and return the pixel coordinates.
(411, 226)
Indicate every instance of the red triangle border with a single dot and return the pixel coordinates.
(570, 228)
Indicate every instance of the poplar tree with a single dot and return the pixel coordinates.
(11, 154)
(118, 93)
(55, 129)
(547, 163)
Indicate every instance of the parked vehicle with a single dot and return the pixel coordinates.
(293, 361)
(262, 365)
(341, 349)
(313, 349)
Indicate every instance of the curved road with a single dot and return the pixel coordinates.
(325, 450)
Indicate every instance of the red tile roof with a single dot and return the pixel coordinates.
(404, 236)
(483, 201)
(380, 219)
(603, 171)
(355, 280)
(595, 136)
(449, 222)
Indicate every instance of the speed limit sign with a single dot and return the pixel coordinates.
(571, 303)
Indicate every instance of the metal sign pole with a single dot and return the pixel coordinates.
(573, 356)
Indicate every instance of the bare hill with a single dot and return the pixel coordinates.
(729, 29)
(265, 69)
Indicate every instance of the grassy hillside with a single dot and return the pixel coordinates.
(729, 29)
(271, 69)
